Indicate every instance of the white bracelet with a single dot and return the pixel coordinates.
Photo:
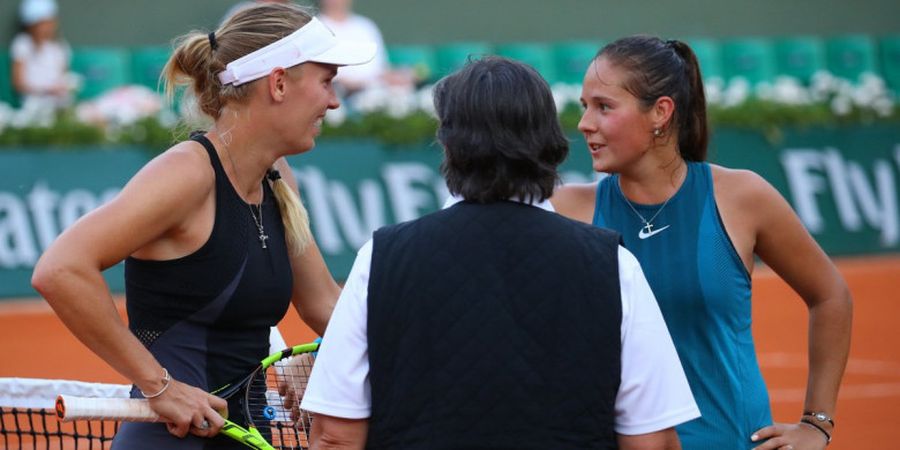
(166, 380)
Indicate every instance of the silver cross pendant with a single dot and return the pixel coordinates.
(262, 238)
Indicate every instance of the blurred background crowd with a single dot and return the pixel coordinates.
(99, 64)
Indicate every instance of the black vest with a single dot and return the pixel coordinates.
(494, 326)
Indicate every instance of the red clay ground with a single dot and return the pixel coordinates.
(33, 343)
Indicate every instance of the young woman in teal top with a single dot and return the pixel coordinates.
(695, 228)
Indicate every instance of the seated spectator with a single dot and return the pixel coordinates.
(339, 16)
(40, 68)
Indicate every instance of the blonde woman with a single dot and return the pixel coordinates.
(215, 240)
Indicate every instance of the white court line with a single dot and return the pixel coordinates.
(855, 366)
(848, 391)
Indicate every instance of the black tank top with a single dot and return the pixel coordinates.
(206, 316)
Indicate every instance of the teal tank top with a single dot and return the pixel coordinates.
(703, 290)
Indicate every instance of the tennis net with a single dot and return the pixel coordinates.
(28, 416)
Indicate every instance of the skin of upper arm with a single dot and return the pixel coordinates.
(333, 433)
(18, 77)
(160, 199)
(315, 291)
(575, 201)
(660, 440)
(759, 220)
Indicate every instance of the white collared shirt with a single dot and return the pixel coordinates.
(653, 394)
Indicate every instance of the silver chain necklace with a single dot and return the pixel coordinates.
(259, 224)
(258, 221)
(647, 230)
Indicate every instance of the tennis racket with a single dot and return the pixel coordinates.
(271, 406)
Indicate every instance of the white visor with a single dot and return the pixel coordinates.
(312, 42)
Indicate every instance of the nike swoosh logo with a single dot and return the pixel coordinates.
(643, 234)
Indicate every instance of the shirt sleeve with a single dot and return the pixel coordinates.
(339, 383)
(21, 47)
(654, 392)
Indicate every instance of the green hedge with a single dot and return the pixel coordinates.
(769, 118)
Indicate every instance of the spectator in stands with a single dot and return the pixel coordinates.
(496, 323)
(339, 16)
(696, 229)
(40, 59)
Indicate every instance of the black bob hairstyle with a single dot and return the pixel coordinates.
(500, 132)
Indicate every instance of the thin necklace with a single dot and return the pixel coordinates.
(258, 221)
(647, 230)
(259, 225)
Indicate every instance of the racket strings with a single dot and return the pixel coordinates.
(273, 402)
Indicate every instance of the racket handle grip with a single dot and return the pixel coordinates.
(69, 407)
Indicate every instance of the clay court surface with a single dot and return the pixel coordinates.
(33, 343)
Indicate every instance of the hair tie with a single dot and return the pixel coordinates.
(273, 175)
(212, 41)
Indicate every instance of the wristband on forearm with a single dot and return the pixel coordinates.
(818, 427)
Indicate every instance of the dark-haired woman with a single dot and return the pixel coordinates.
(696, 227)
(215, 240)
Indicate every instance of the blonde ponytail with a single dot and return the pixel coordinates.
(293, 215)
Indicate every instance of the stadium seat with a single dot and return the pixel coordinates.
(850, 56)
(572, 58)
(799, 57)
(147, 64)
(7, 93)
(103, 68)
(451, 57)
(709, 54)
(890, 60)
(750, 58)
(419, 58)
(537, 55)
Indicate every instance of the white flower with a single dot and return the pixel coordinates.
(6, 114)
(737, 92)
(789, 91)
(121, 106)
(425, 100)
(714, 90)
(883, 106)
(841, 105)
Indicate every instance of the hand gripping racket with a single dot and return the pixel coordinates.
(271, 403)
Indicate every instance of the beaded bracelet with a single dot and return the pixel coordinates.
(166, 380)
(809, 422)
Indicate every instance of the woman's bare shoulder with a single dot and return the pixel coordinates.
(742, 186)
(576, 201)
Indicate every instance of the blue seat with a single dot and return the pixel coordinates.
(750, 58)
(7, 93)
(419, 58)
(102, 68)
(537, 55)
(147, 64)
(709, 55)
(572, 58)
(850, 56)
(450, 57)
(890, 60)
(799, 56)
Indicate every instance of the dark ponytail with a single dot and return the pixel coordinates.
(693, 132)
(656, 68)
